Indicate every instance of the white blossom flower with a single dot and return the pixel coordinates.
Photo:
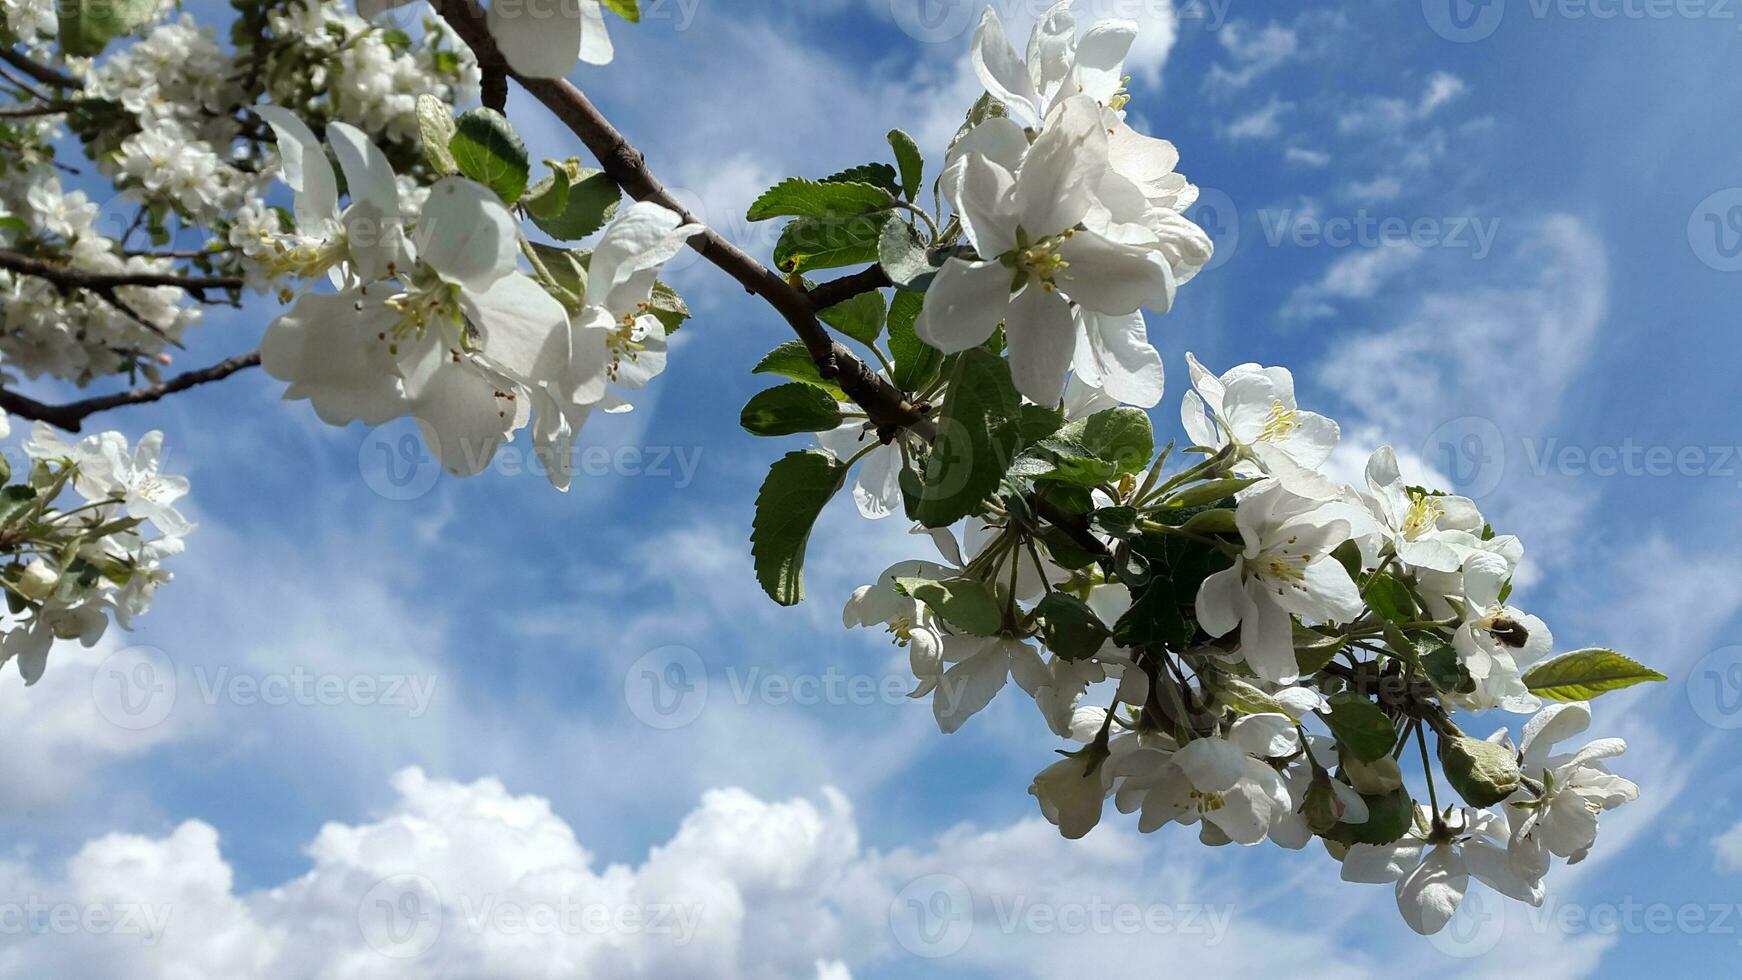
(1070, 796)
(1286, 569)
(1576, 787)
(1495, 641)
(1216, 779)
(1035, 261)
(1432, 872)
(1425, 530)
(1253, 409)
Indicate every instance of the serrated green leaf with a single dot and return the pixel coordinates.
(1091, 451)
(860, 317)
(978, 432)
(797, 197)
(1069, 627)
(1247, 698)
(1312, 651)
(793, 360)
(911, 162)
(790, 409)
(87, 26)
(1361, 727)
(1390, 598)
(573, 202)
(797, 488)
(904, 257)
(435, 128)
(964, 603)
(1586, 674)
(808, 244)
(15, 500)
(488, 150)
(1211, 492)
(916, 362)
(629, 10)
(668, 307)
(876, 174)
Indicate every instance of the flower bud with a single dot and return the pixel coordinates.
(38, 580)
(1483, 773)
(1372, 778)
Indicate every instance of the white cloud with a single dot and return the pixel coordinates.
(1389, 114)
(1253, 51)
(1378, 190)
(1728, 846)
(1260, 124)
(1307, 157)
(468, 879)
(1357, 276)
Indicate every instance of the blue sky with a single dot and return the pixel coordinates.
(1558, 327)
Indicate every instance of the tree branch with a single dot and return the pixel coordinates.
(72, 415)
(68, 278)
(40, 72)
(885, 404)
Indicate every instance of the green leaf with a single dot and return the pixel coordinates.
(799, 198)
(876, 174)
(1361, 727)
(15, 500)
(1312, 650)
(1216, 520)
(912, 164)
(488, 150)
(568, 267)
(1447, 671)
(905, 258)
(798, 486)
(978, 432)
(1585, 674)
(1247, 699)
(1163, 610)
(964, 603)
(1121, 436)
(790, 409)
(1483, 773)
(809, 244)
(629, 10)
(1389, 817)
(793, 360)
(1211, 492)
(1390, 598)
(916, 362)
(573, 202)
(668, 307)
(1069, 627)
(1120, 521)
(87, 26)
(860, 317)
(435, 128)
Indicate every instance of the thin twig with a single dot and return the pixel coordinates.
(40, 72)
(72, 415)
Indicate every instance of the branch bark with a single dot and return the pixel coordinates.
(68, 278)
(72, 415)
(885, 404)
(40, 72)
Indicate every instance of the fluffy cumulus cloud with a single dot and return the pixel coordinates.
(1729, 848)
(468, 879)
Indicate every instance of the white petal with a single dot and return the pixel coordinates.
(1128, 366)
(1429, 895)
(539, 40)
(964, 305)
(306, 169)
(969, 686)
(466, 235)
(332, 353)
(1112, 278)
(1042, 336)
(1002, 70)
(525, 329)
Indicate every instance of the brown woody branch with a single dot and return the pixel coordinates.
(40, 72)
(886, 405)
(68, 278)
(72, 415)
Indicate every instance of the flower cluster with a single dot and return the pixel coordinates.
(69, 568)
(1238, 643)
(441, 324)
